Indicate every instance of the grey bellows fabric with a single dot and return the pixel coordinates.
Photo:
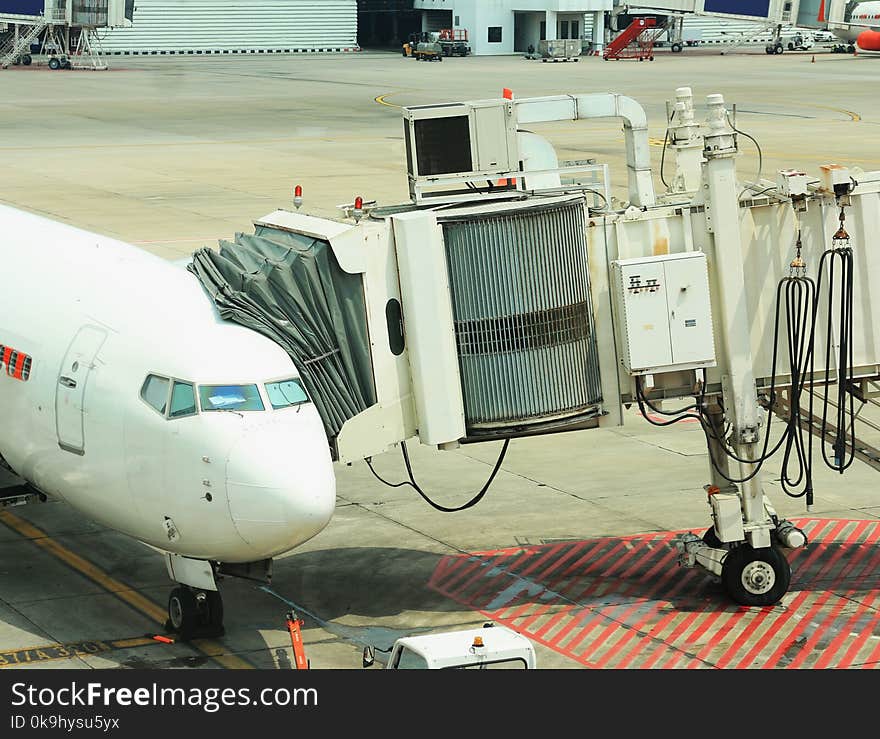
(290, 288)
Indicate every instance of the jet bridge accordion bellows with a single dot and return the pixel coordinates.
(524, 325)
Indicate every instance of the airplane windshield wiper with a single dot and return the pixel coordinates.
(229, 410)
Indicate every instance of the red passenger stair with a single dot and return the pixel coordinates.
(635, 42)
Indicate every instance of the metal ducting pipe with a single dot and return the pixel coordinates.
(602, 105)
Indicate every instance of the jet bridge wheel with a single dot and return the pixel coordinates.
(756, 577)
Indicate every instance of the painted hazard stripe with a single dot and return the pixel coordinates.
(622, 602)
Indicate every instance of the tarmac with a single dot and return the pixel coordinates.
(573, 543)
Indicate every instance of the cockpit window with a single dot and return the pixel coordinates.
(155, 392)
(286, 393)
(183, 400)
(230, 398)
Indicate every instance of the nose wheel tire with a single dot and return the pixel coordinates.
(183, 612)
(756, 577)
(214, 611)
(194, 614)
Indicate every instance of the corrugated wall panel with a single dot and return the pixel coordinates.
(207, 26)
(523, 317)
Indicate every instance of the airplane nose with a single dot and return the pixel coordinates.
(281, 487)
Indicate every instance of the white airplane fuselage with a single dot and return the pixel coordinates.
(859, 26)
(96, 317)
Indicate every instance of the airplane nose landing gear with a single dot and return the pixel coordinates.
(195, 613)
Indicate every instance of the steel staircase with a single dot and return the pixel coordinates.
(13, 49)
(616, 49)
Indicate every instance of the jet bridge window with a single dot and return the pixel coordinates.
(286, 393)
(154, 392)
(230, 398)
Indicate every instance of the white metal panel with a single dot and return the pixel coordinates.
(429, 327)
(490, 124)
(70, 391)
(690, 310)
(236, 26)
(727, 512)
(642, 298)
(665, 312)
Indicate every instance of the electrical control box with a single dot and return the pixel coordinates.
(790, 183)
(836, 179)
(663, 313)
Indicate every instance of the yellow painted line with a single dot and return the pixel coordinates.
(137, 601)
(852, 114)
(140, 641)
(381, 99)
(53, 652)
(855, 117)
(216, 652)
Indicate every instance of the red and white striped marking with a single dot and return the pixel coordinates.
(623, 602)
(16, 364)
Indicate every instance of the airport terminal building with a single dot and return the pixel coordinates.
(232, 26)
(511, 26)
(495, 27)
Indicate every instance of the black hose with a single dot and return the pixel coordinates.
(801, 323)
(796, 294)
(663, 153)
(411, 482)
(843, 451)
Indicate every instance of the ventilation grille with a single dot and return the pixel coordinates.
(523, 317)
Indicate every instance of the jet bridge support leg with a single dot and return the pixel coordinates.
(743, 547)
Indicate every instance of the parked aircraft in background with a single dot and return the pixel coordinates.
(856, 24)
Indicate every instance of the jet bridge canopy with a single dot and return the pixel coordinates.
(290, 287)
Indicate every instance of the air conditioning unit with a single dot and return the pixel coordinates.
(460, 143)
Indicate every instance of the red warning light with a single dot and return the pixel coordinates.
(298, 191)
(358, 203)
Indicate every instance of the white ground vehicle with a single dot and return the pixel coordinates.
(799, 41)
(491, 647)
